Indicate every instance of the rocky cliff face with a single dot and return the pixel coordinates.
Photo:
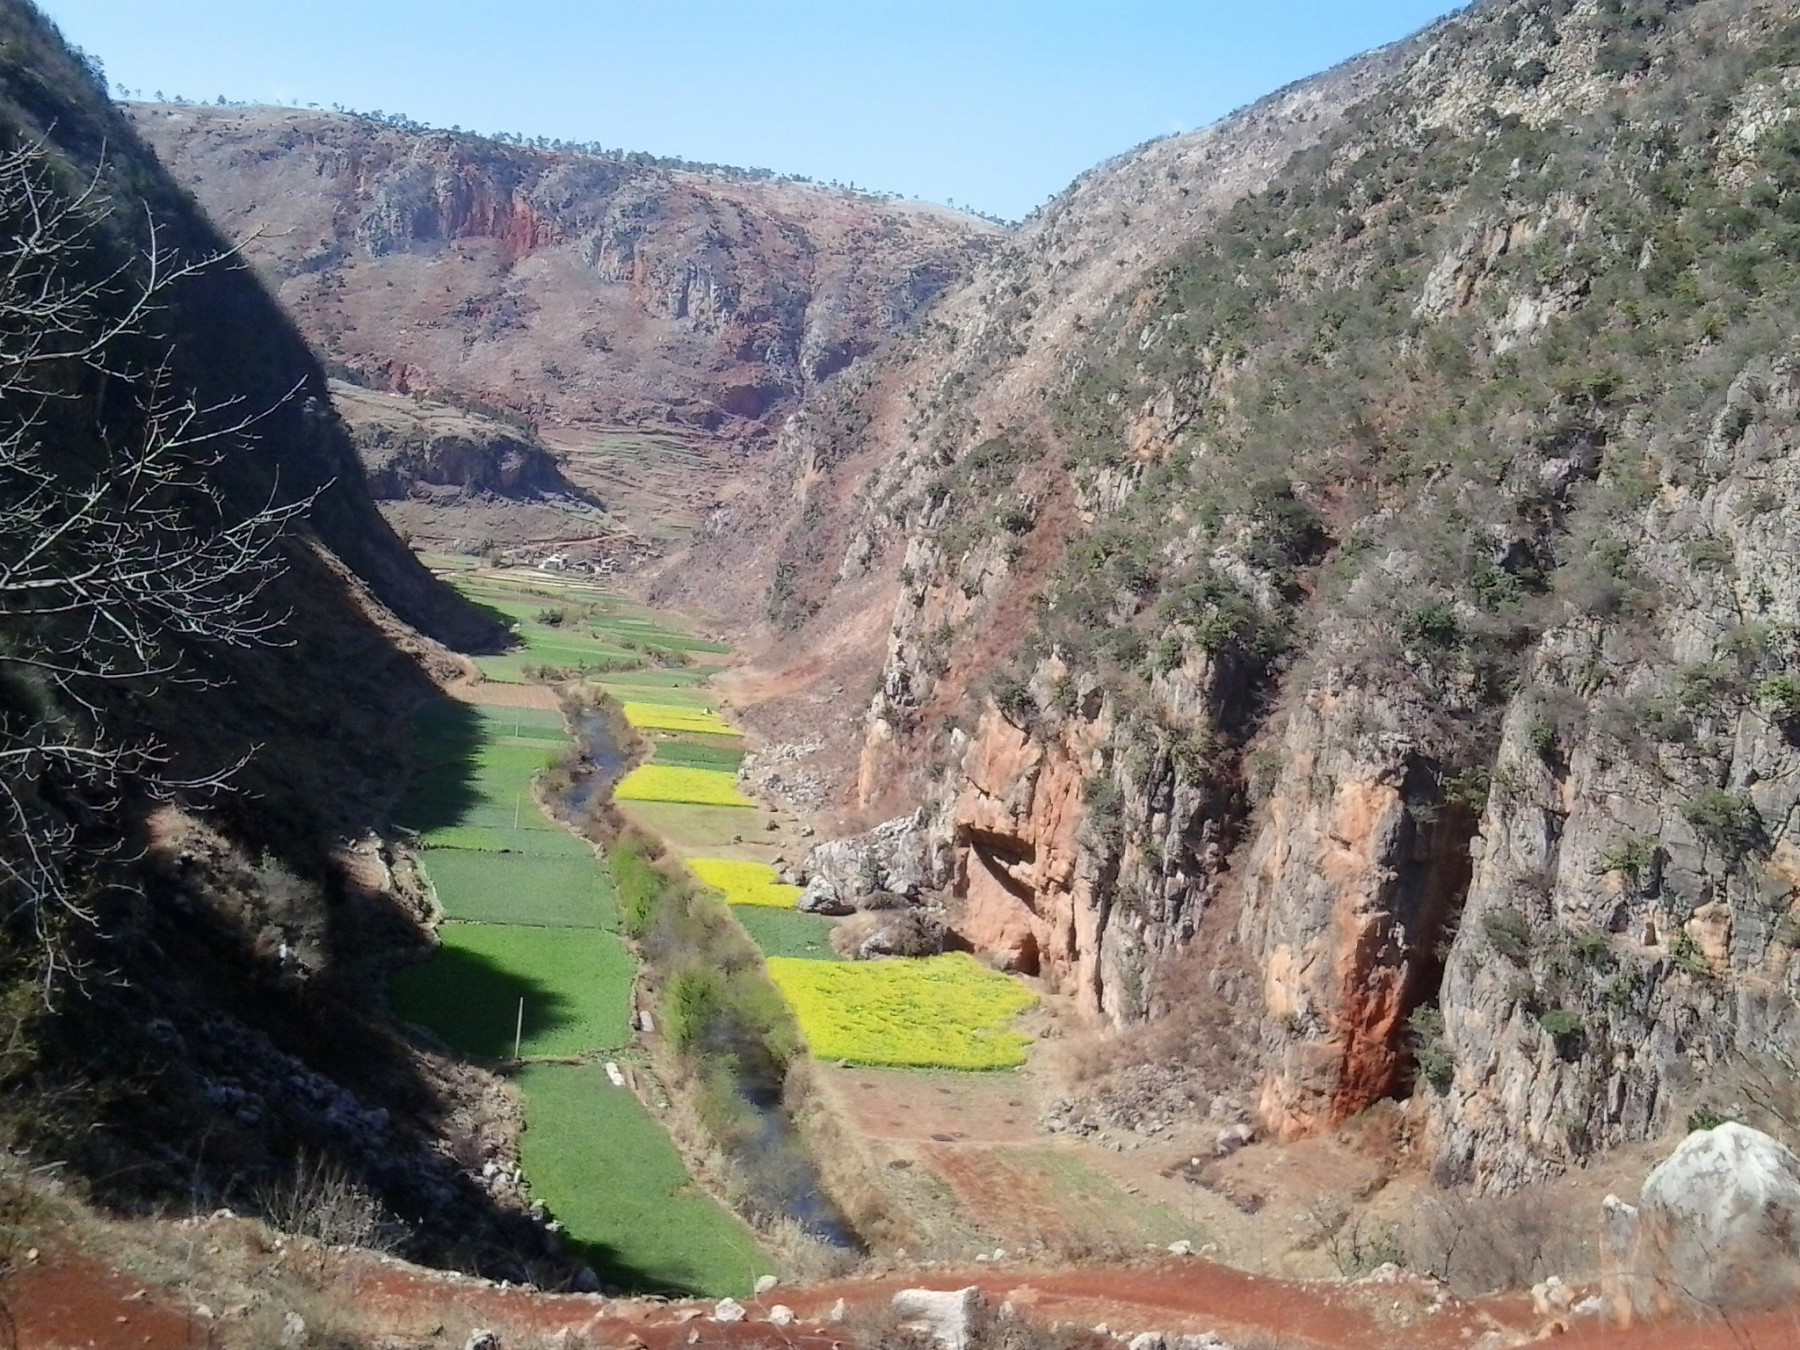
(1356, 534)
(410, 447)
(569, 287)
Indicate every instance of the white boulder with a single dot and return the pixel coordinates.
(1716, 1228)
(949, 1317)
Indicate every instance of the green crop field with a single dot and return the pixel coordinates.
(686, 754)
(787, 932)
(512, 888)
(684, 696)
(607, 1171)
(473, 789)
(545, 842)
(948, 1012)
(531, 916)
(663, 679)
(576, 983)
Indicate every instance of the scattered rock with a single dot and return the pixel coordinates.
(1234, 1137)
(1551, 1297)
(293, 1329)
(839, 1311)
(948, 1317)
(1149, 1340)
(764, 1283)
(728, 1310)
(482, 1340)
(781, 1315)
(1181, 1248)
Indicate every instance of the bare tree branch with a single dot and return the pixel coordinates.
(119, 550)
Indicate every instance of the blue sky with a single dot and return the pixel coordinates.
(994, 104)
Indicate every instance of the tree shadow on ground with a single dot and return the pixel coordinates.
(477, 1006)
(447, 737)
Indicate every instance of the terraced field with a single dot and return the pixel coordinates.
(531, 920)
(531, 964)
(946, 1012)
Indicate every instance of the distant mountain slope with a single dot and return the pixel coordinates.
(572, 288)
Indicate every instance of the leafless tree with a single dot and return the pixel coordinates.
(118, 550)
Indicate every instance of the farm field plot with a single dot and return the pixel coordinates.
(690, 754)
(787, 932)
(745, 883)
(658, 487)
(939, 1012)
(607, 1171)
(514, 667)
(667, 783)
(703, 831)
(671, 683)
(688, 698)
(531, 915)
(443, 727)
(543, 841)
(576, 983)
(537, 891)
(669, 717)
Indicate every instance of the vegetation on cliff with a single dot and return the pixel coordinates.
(1399, 553)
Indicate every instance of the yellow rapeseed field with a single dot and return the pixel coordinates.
(943, 1012)
(665, 783)
(745, 883)
(668, 717)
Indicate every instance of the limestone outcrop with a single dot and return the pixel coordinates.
(1716, 1229)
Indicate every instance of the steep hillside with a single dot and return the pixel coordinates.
(573, 289)
(1375, 608)
(209, 647)
(450, 479)
(821, 543)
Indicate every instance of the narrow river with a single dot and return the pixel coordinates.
(787, 1181)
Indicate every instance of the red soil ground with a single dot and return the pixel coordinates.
(65, 1300)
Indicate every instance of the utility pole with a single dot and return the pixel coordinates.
(519, 1031)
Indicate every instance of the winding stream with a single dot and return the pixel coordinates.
(788, 1181)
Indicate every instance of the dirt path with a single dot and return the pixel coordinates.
(65, 1300)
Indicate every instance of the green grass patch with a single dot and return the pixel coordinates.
(550, 892)
(607, 1171)
(576, 983)
(787, 932)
